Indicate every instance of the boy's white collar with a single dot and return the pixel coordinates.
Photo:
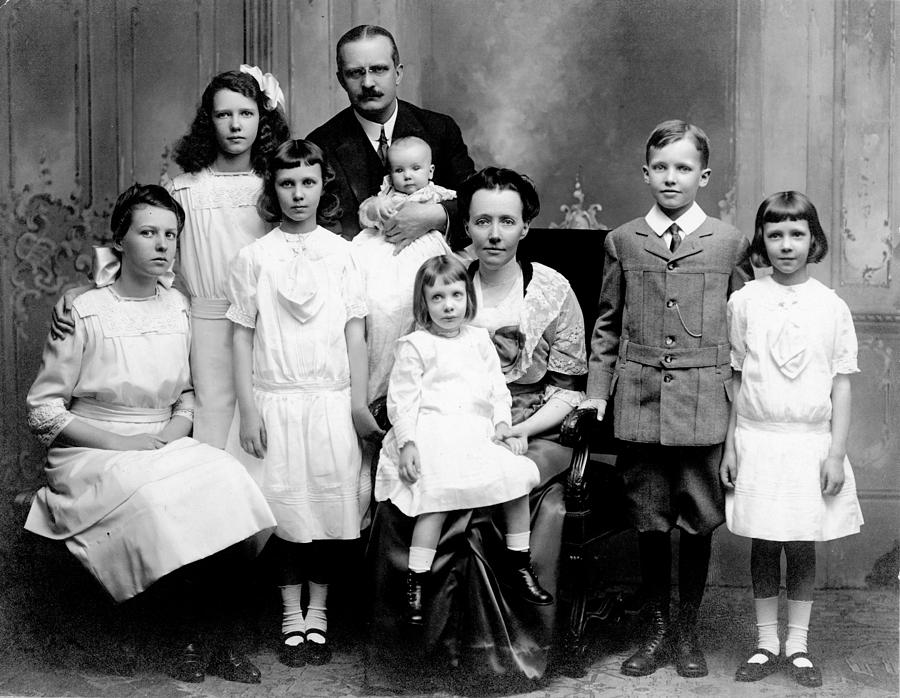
(688, 221)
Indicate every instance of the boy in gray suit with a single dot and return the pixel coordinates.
(660, 346)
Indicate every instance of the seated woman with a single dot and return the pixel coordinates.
(131, 495)
(471, 620)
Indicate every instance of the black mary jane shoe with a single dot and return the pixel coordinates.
(753, 671)
(293, 656)
(317, 652)
(807, 676)
(233, 666)
(187, 665)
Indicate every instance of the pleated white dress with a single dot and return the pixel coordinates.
(447, 394)
(788, 342)
(298, 295)
(220, 220)
(388, 278)
(133, 516)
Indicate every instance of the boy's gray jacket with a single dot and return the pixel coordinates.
(660, 344)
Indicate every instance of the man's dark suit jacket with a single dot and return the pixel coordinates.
(360, 172)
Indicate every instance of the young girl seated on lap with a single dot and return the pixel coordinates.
(388, 269)
(451, 446)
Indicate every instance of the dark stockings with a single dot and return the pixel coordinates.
(765, 568)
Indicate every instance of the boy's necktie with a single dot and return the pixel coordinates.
(675, 232)
(382, 146)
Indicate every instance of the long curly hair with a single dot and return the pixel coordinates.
(287, 156)
(198, 148)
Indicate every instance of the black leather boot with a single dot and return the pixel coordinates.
(689, 659)
(655, 651)
(187, 664)
(415, 581)
(521, 579)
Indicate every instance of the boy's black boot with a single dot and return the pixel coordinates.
(654, 653)
(693, 566)
(689, 659)
(521, 579)
(415, 581)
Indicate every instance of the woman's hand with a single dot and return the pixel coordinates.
(511, 437)
(138, 442)
(409, 463)
(366, 426)
(728, 468)
(253, 434)
(62, 324)
(831, 475)
(594, 403)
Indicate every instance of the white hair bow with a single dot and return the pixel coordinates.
(268, 84)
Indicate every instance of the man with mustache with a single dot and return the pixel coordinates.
(356, 139)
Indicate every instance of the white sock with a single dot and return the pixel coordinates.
(798, 630)
(420, 559)
(767, 628)
(292, 613)
(519, 542)
(316, 618)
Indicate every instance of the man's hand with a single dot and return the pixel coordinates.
(62, 324)
(594, 403)
(831, 475)
(411, 221)
(409, 463)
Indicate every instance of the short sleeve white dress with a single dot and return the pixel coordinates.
(133, 516)
(447, 394)
(298, 293)
(788, 342)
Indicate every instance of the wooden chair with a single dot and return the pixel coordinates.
(594, 492)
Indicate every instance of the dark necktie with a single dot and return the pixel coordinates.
(675, 231)
(382, 146)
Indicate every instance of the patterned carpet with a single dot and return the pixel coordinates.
(55, 640)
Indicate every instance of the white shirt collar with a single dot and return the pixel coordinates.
(373, 128)
(688, 221)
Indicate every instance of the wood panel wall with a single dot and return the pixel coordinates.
(816, 111)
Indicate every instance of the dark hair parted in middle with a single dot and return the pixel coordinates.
(448, 269)
(289, 155)
(138, 195)
(787, 206)
(198, 148)
(499, 179)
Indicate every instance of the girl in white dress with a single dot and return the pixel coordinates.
(239, 124)
(133, 497)
(300, 374)
(451, 446)
(785, 468)
(388, 269)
